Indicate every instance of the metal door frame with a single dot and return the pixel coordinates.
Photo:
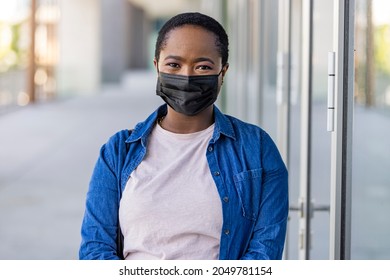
(305, 206)
(341, 155)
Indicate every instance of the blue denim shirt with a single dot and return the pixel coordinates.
(247, 169)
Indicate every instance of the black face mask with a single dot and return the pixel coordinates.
(188, 95)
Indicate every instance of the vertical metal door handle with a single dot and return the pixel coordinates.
(331, 90)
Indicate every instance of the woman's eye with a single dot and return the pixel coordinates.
(173, 65)
(204, 67)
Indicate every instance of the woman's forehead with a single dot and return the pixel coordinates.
(191, 39)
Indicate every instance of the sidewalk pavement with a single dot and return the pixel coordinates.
(47, 154)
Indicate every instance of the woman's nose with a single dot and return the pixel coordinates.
(187, 71)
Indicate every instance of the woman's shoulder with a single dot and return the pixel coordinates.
(114, 150)
(241, 126)
(116, 145)
(119, 137)
(250, 133)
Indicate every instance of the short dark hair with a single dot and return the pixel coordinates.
(197, 19)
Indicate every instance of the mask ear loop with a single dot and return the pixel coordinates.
(220, 74)
(158, 70)
(158, 73)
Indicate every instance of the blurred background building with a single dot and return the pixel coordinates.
(88, 63)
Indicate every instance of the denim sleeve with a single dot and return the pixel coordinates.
(99, 226)
(269, 233)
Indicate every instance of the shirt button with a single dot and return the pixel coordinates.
(216, 173)
(226, 199)
(210, 149)
(227, 231)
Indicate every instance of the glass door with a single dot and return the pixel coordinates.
(318, 159)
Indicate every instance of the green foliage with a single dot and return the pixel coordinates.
(382, 48)
(12, 53)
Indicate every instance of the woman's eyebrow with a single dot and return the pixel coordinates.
(199, 59)
(176, 57)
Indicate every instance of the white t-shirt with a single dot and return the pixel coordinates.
(170, 208)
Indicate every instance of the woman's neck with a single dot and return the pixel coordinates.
(182, 124)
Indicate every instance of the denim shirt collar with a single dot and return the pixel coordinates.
(142, 130)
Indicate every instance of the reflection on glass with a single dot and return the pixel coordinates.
(371, 152)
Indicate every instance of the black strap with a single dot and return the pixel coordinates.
(119, 235)
(119, 243)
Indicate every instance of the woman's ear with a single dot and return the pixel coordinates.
(155, 64)
(223, 72)
(224, 69)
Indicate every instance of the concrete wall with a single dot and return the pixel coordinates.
(124, 39)
(78, 71)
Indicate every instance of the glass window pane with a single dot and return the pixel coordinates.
(371, 152)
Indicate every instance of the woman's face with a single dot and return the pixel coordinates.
(190, 50)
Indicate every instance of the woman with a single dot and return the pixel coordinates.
(189, 182)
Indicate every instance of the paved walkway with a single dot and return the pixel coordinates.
(47, 154)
